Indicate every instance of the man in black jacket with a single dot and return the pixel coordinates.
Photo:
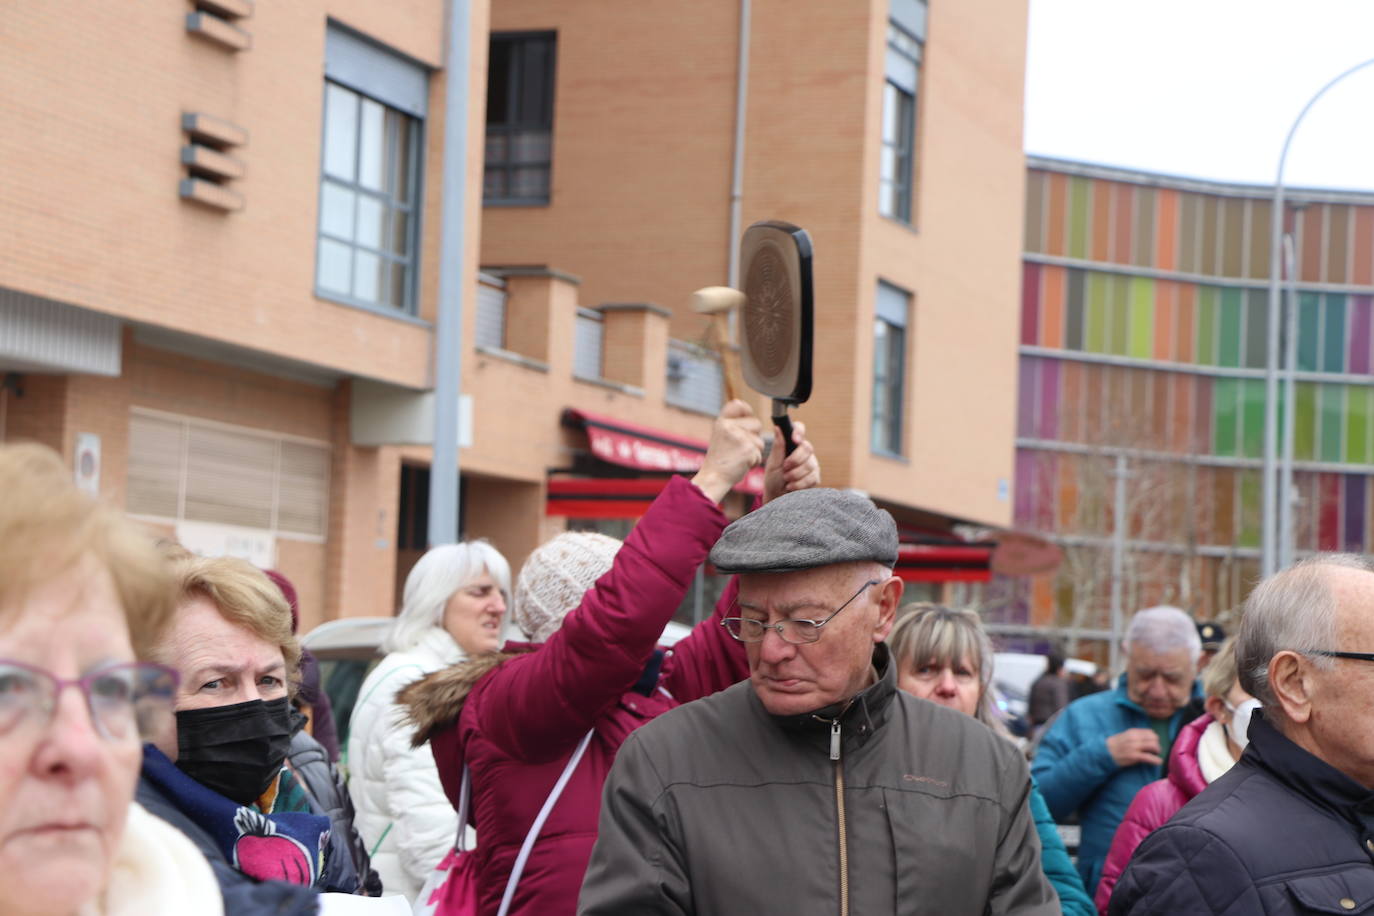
(1290, 828)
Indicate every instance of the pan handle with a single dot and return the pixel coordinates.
(784, 422)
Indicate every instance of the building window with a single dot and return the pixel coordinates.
(187, 470)
(519, 154)
(588, 344)
(905, 43)
(889, 368)
(374, 106)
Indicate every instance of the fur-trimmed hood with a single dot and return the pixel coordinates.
(435, 701)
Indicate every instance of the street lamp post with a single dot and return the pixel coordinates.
(1272, 535)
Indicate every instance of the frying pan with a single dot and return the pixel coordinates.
(776, 318)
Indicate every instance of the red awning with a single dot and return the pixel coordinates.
(645, 449)
(602, 497)
(944, 562)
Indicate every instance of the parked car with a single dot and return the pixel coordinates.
(349, 648)
(1013, 673)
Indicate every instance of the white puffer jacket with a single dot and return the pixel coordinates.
(402, 813)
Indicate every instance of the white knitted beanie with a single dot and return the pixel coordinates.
(555, 577)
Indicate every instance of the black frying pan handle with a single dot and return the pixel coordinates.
(784, 422)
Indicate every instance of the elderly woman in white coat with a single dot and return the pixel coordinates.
(453, 608)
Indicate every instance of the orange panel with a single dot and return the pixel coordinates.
(1310, 258)
(1166, 296)
(1362, 254)
(1181, 411)
(1166, 230)
(1042, 601)
(1102, 219)
(1122, 198)
(1068, 491)
(1052, 291)
(1187, 299)
(1055, 230)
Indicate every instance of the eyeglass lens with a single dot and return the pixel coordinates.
(125, 701)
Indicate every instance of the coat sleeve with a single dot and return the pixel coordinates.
(1142, 817)
(1019, 885)
(636, 865)
(708, 659)
(425, 824)
(1181, 869)
(1055, 861)
(1068, 768)
(537, 706)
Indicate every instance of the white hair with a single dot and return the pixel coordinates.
(1294, 609)
(434, 580)
(1163, 629)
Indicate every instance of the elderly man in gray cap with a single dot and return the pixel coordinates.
(816, 786)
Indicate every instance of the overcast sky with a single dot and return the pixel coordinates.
(1207, 88)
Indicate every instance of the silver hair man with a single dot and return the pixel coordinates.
(1163, 629)
(1294, 609)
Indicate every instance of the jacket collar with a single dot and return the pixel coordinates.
(1309, 775)
(860, 716)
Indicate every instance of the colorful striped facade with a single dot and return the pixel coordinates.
(1143, 335)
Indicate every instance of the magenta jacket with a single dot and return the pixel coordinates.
(520, 722)
(1154, 805)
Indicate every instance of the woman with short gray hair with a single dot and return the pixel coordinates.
(452, 609)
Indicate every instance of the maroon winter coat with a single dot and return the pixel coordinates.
(1154, 805)
(521, 721)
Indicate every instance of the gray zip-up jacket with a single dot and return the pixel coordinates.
(896, 806)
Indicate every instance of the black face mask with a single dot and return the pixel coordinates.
(235, 750)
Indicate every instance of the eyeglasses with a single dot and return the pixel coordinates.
(797, 631)
(1358, 656)
(127, 701)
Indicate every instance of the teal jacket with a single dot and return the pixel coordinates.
(1075, 771)
(1055, 862)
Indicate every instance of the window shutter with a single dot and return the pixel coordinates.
(154, 479)
(303, 489)
(229, 478)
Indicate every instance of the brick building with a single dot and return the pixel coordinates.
(221, 226)
(1143, 340)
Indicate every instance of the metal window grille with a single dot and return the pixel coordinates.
(587, 345)
(695, 380)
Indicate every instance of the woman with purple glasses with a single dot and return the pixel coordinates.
(81, 593)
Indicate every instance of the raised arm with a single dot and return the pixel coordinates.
(535, 706)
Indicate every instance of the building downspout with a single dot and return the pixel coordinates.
(453, 280)
(737, 167)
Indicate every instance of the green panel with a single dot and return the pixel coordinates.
(1332, 399)
(1252, 426)
(1207, 325)
(1079, 196)
(1225, 394)
(1142, 317)
(1228, 339)
(1309, 330)
(1357, 424)
(1120, 312)
(1256, 328)
(1305, 423)
(1095, 335)
(1333, 334)
(1250, 500)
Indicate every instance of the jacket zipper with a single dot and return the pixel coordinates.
(839, 810)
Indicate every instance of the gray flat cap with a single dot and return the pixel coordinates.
(806, 529)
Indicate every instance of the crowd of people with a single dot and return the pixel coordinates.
(815, 746)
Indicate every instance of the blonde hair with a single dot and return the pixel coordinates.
(243, 595)
(1221, 673)
(47, 526)
(927, 633)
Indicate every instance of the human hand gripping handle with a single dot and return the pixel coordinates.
(1135, 745)
(736, 446)
(792, 468)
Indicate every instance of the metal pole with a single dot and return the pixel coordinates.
(737, 164)
(1290, 365)
(1271, 533)
(1119, 524)
(453, 279)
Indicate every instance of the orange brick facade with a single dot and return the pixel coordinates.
(221, 323)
